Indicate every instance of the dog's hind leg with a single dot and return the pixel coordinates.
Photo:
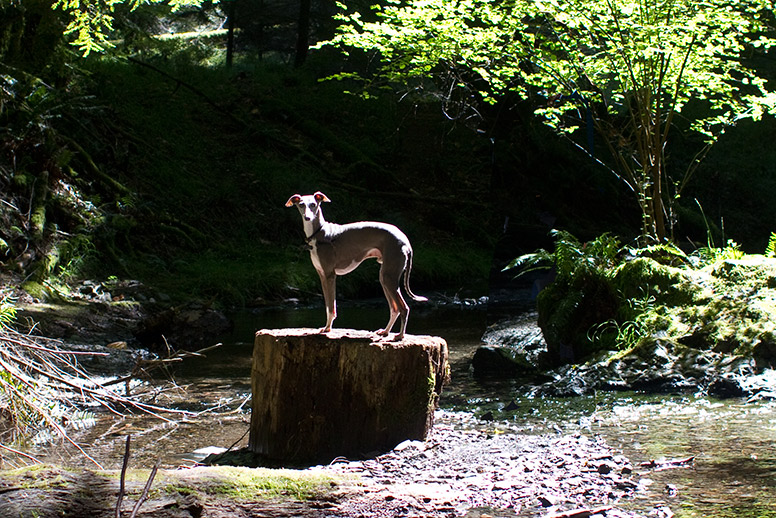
(396, 304)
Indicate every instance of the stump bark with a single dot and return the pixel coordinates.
(344, 393)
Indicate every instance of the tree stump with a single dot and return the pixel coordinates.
(344, 393)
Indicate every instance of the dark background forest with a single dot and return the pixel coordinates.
(167, 160)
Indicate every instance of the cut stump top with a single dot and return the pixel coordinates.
(352, 334)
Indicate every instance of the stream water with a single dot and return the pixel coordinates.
(733, 441)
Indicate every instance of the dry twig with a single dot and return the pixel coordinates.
(42, 383)
(124, 466)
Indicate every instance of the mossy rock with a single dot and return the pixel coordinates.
(643, 277)
(754, 268)
(38, 291)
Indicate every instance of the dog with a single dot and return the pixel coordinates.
(339, 249)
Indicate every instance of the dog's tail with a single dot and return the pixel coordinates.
(407, 280)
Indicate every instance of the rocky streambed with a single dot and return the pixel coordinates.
(465, 468)
(468, 470)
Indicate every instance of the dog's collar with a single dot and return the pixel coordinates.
(309, 240)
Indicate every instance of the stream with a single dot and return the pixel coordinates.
(733, 442)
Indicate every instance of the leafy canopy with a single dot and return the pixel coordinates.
(601, 50)
(91, 21)
(624, 67)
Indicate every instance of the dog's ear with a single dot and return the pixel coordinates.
(293, 199)
(320, 197)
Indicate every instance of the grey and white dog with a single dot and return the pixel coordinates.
(339, 249)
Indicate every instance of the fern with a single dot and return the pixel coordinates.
(713, 255)
(570, 255)
(770, 250)
(7, 310)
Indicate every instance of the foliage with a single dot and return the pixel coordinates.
(710, 255)
(90, 22)
(770, 249)
(717, 299)
(625, 68)
(213, 164)
(628, 333)
(7, 309)
(570, 255)
(48, 222)
(166, 171)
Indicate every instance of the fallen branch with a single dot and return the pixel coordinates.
(667, 464)
(20, 453)
(146, 366)
(580, 513)
(44, 386)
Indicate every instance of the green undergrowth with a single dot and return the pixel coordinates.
(612, 297)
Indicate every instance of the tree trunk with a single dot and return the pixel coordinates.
(303, 33)
(344, 393)
(231, 11)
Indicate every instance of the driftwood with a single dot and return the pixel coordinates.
(581, 512)
(659, 465)
(344, 393)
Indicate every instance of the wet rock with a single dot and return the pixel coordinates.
(666, 367)
(489, 360)
(514, 346)
(92, 290)
(82, 322)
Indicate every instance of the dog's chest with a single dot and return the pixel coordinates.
(315, 258)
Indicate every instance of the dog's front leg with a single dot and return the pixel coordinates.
(329, 286)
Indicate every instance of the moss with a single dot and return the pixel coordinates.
(39, 476)
(725, 306)
(37, 290)
(732, 308)
(246, 483)
(646, 277)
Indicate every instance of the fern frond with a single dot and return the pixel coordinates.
(539, 260)
(770, 250)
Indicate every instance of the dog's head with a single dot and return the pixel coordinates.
(308, 205)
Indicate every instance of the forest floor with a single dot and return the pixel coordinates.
(460, 470)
